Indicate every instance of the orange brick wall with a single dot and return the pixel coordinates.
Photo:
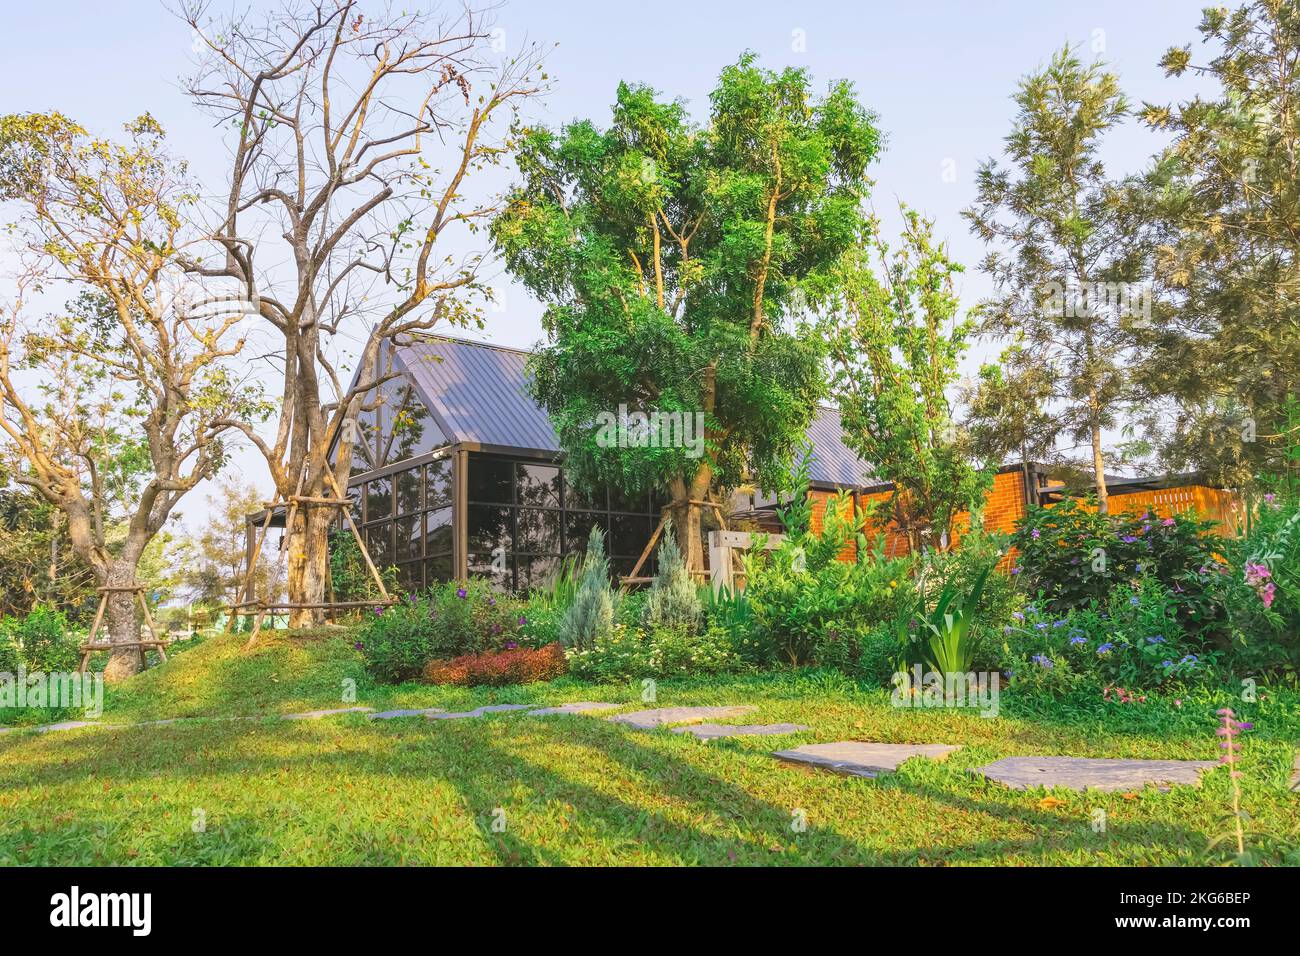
(1005, 508)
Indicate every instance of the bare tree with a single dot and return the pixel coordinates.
(114, 409)
(353, 138)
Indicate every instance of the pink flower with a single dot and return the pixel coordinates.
(1169, 522)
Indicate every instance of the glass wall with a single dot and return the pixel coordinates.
(406, 520)
(523, 517)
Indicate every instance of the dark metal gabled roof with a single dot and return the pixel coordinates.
(479, 393)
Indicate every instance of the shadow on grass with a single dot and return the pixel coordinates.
(644, 798)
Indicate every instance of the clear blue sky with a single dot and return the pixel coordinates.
(938, 74)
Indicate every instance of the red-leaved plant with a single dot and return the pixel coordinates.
(519, 665)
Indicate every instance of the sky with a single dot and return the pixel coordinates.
(939, 75)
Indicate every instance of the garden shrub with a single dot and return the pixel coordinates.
(628, 653)
(1260, 589)
(673, 600)
(801, 592)
(870, 655)
(591, 616)
(453, 619)
(514, 665)
(1071, 556)
(10, 655)
(43, 640)
(546, 606)
(1133, 639)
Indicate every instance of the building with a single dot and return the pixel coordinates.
(456, 472)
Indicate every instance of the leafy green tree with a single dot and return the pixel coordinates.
(895, 342)
(671, 257)
(1006, 408)
(1227, 192)
(1068, 259)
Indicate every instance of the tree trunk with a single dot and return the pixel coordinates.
(120, 616)
(688, 518)
(308, 545)
(1099, 469)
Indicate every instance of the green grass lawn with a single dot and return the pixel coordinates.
(581, 790)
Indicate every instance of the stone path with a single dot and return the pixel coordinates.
(1295, 775)
(318, 714)
(663, 716)
(479, 711)
(714, 731)
(1083, 773)
(579, 707)
(391, 714)
(862, 759)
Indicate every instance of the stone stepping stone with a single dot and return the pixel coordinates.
(1083, 773)
(663, 716)
(478, 711)
(393, 714)
(863, 759)
(714, 731)
(317, 714)
(580, 707)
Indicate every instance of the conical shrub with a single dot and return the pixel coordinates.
(673, 600)
(591, 615)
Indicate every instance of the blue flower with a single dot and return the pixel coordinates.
(1078, 640)
(1155, 640)
(1133, 600)
(1019, 616)
(1106, 648)
(1040, 626)
(1128, 539)
(1166, 663)
(1058, 623)
(1042, 661)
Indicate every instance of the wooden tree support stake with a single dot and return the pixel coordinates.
(91, 645)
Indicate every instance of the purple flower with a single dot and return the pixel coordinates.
(1041, 661)
(462, 593)
(492, 602)
(1035, 533)
(522, 620)
(511, 645)
(379, 611)
(1015, 570)
(359, 646)
(1128, 539)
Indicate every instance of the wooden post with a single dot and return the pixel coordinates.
(721, 546)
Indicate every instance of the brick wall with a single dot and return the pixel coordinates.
(1005, 508)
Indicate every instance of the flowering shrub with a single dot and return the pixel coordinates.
(515, 665)
(1134, 640)
(453, 619)
(1260, 588)
(629, 653)
(1071, 556)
